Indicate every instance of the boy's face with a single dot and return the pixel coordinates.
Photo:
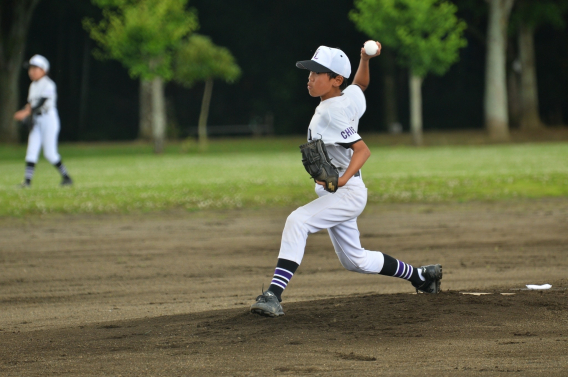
(35, 73)
(321, 85)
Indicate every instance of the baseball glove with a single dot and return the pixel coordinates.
(318, 164)
(28, 122)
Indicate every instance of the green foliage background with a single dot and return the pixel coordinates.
(426, 33)
(143, 35)
(198, 59)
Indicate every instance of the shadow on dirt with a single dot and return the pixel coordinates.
(339, 330)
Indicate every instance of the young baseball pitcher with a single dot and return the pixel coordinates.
(334, 156)
(43, 121)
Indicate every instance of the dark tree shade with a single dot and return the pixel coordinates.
(267, 38)
(15, 17)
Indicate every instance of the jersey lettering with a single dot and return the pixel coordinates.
(348, 132)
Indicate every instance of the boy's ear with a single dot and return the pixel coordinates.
(338, 81)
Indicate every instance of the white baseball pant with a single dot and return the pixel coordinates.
(338, 214)
(44, 134)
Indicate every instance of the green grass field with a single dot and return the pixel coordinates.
(124, 178)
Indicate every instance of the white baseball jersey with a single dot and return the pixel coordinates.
(336, 122)
(43, 88)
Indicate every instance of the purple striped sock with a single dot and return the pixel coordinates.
(399, 269)
(281, 277)
(404, 270)
(284, 271)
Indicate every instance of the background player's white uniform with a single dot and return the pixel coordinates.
(42, 108)
(336, 121)
(46, 122)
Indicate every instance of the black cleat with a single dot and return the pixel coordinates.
(66, 181)
(433, 275)
(25, 185)
(267, 304)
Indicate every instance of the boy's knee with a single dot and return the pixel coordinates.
(295, 219)
(359, 265)
(349, 266)
(355, 267)
(296, 225)
(53, 158)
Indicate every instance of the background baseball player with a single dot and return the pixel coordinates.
(336, 122)
(40, 113)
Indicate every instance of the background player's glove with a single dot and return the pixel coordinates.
(318, 164)
(28, 122)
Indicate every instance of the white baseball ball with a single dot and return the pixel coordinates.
(371, 47)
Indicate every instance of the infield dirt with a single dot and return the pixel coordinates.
(168, 295)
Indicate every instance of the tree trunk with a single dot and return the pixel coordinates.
(84, 97)
(15, 16)
(496, 112)
(145, 110)
(389, 91)
(158, 114)
(9, 95)
(203, 115)
(530, 118)
(415, 84)
(513, 97)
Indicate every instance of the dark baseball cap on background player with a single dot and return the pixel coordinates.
(327, 59)
(37, 61)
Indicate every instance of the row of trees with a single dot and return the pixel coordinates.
(156, 41)
(427, 36)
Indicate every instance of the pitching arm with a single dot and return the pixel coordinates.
(362, 77)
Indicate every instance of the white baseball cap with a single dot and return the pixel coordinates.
(38, 61)
(328, 59)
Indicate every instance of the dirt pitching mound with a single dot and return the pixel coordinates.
(395, 334)
(168, 294)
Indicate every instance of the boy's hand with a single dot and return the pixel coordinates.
(22, 114)
(342, 181)
(364, 55)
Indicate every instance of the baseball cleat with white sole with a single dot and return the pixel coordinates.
(267, 304)
(433, 275)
